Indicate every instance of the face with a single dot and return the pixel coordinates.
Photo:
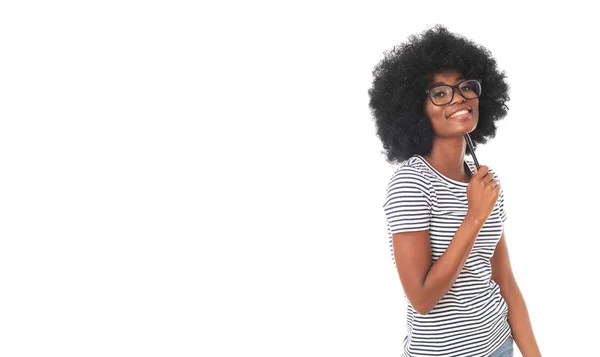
(456, 118)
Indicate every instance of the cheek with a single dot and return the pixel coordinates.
(434, 113)
(429, 108)
(476, 106)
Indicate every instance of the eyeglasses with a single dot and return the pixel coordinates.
(443, 94)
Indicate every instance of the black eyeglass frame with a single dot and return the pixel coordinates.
(457, 86)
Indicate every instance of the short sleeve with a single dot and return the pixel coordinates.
(407, 203)
(501, 205)
(500, 201)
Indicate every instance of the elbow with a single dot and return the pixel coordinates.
(422, 309)
(421, 304)
(422, 312)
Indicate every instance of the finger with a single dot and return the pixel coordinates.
(482, 172)
(487, 178)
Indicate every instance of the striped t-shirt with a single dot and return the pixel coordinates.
(472, 318)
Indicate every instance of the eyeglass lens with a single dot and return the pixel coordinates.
(443, 94)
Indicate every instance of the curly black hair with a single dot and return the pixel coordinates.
(398, 92)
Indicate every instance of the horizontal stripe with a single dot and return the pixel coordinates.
(472, 318)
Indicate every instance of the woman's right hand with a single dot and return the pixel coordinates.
(482, 193)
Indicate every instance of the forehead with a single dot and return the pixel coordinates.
(446, 77)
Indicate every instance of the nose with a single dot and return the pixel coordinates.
(457, 98)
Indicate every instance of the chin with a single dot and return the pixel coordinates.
(467, 128)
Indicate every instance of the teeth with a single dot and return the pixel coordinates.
(464, 111)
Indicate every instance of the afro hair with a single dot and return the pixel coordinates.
(397, 94)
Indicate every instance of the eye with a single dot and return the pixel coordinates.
(466, 89)
(439, 94)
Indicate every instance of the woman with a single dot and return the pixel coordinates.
(445, 218)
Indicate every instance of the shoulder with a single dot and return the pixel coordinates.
(412, 173)
(471, 165)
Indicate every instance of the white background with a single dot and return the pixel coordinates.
(187, 179)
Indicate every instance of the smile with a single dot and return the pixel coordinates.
(459, 113)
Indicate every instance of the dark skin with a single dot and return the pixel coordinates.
(448, 149)
(425, 283)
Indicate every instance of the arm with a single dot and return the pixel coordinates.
(425, 284)
(518, 317)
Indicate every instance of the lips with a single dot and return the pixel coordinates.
(460, 112)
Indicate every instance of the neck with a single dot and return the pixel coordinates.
(447, 156)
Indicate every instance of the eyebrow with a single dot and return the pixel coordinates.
(444, 84)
